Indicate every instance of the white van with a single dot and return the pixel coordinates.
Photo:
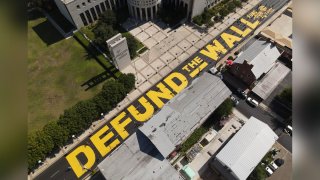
(252, 101)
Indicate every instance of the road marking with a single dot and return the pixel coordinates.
(55, 173)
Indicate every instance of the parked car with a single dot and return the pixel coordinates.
(234, 100)
(273, 166)
(242, 93)
(269, 171)
(279, 162)
(252, 101)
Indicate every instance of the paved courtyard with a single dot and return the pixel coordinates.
(169, 47)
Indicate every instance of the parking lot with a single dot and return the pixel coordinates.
(284, 172)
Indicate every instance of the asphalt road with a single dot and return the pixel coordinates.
(59, 170)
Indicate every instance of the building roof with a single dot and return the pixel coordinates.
(247, 148)
(274, 77)
(137, 158)
(280, 30)
(261, 54)
(185, 112)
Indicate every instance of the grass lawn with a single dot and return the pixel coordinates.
(56, 71)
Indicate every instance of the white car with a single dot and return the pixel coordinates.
(273, 166)
(235, 100)
(252, 101)
(269, 171)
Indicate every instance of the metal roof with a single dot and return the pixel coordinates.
(247, 148)
(274, 77)
(185, 112)
(137, 158)
(262, 55)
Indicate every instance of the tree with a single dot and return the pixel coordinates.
(198, 20)
(102, 104)
(224, 109)
(108, 18)
(103, 32)
(114, 92)
(237, 3)
(87, 111)
(128, 81)
(133, 44)
(39, 145)
(224, 12)
(231, 6)
(71, 121)
(58, 134)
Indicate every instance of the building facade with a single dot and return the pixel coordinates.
(144, 9)
(84, 12)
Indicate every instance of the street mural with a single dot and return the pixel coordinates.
(88, 154)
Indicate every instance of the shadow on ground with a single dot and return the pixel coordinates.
(48, 33)
(96, 80)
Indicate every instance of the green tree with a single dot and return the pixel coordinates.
(72, 122)
(133, 44)
(103, 32)
(39, 145)
(114, 92)
(102, 104)
(58, 134)
(108, 18)
(237, 3)
(231, 6)
(198, 20)
(224, 109)
(87, 111)
(223, 12)
(128, 81)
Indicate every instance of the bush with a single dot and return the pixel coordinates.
(39, 145)
(197, 20)
(193, 139)
(58, 134)
(128, 80)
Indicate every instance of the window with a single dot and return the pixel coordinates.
(84, 20)
(93, 14)
(103, 8)
(88, 16)
(98, 10)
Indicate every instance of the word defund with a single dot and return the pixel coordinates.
(114, 132)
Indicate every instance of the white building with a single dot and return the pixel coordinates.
(119, 51)
(245, 150)
(84, 12)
